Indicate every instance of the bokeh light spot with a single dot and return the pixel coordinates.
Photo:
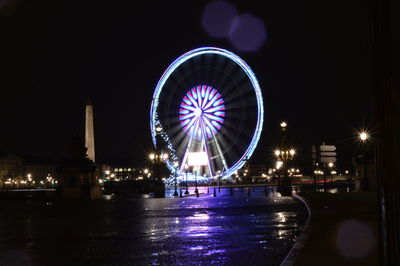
(247, 33)
(217, 18)
(355, 239)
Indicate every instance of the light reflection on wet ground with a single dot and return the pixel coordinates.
(238, 229)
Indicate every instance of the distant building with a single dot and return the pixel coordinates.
(16, 170)
(123, 173)
(119, 172)
(39, 167)
(11, 166)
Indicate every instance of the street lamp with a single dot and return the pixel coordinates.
(285, 154)
(330, 164)
(107, 174)
(364, 137)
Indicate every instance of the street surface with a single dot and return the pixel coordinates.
(228, 229)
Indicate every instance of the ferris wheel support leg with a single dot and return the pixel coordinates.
(220, 152)
(186, 153)
(205, 146)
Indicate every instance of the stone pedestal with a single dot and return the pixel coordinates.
(77, 175)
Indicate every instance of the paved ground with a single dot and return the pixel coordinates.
(343, 230)
(233, 230)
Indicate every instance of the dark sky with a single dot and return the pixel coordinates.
(314, 70)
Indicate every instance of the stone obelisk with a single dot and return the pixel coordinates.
(89, 131)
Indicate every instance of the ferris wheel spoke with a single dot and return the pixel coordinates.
(210, 125)
(215, 96)
(187, 108)
(191, 98)
(187, 116)
(215, 109)
(198, 91)
(207, 94)
(213, 117)
(189, 125)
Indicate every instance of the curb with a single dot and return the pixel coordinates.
(294, 252)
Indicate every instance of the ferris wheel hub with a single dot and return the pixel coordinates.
(198, 112)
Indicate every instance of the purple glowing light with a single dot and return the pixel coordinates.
(355, 239)
(217, 18)
(247, 33)
(202, 112)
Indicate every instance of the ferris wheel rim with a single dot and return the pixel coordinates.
(256, 87)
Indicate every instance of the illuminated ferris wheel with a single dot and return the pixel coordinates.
(207, 113)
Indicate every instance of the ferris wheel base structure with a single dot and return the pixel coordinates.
(206, 115)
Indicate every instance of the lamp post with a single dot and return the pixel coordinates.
(186, 170)
(153, 159)
(330, 170)
(364, 182)
(282, 156)
(29, 180)
(176, 187)
(195, 183)
(176, 182)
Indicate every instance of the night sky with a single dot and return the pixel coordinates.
(314, 70)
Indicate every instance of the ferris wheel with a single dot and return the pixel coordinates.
(207, 113)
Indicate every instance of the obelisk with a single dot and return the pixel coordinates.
(89, 131)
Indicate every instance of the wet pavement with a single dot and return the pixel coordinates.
(230, 229)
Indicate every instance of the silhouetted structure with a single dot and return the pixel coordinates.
(365, 170)
(387, 120)
(285, 155)
(77, 175)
